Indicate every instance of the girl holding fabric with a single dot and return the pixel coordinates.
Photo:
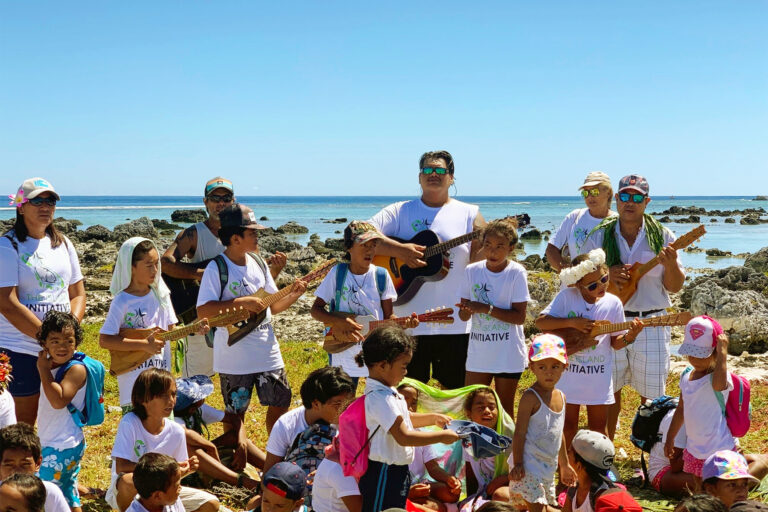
(39, 272)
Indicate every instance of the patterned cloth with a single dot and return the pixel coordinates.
(271, 386)
(62, 467)
(533, 489)
(691, 464)
(644, 365)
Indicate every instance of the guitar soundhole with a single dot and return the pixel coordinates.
(394, 268)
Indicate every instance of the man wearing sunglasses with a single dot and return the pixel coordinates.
(200, 243)
(636, 237)
(441, 349)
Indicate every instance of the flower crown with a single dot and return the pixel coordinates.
(572, 275)
(18, 198)
(5, 371)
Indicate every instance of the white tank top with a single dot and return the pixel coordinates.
(208, 246)
(543, 439)
(55, 427)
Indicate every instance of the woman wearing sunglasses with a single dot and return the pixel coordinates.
(39, 272)
(444, 348)
(573, 231)
(587, 380)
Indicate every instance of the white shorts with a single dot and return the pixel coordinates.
(644, 365)
(198, 359)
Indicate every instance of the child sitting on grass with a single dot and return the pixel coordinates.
(444, 488)
(593, 456)
(20, 453)
(157, 478)
(22, 493)
(725, 475)
(148, 429)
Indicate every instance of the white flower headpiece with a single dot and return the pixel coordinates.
(571, 275)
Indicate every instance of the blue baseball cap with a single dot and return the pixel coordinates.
(192, 389)
(286, 479)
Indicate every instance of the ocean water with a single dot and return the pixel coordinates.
(546, 214)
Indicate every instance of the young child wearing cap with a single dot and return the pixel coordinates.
(583, 301)
(593, 456)
(157, 478)
(195, 415)
(255, 360)
(538, 447)
(359, 294)
(725, 475)
(283, 487)
(706, 346)
(495, 298)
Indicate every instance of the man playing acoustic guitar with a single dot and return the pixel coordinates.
(197, 244)
(637, 237)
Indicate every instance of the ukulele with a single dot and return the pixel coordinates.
(576, 341)
(240, 329)
(409, 280)
(333, 344)
(123, 361)
(638, 270)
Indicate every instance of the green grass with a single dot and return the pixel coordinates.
(303, 357)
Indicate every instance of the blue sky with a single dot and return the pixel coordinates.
(337, 98)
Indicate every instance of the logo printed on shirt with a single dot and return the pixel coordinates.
(139, 448)
(135, 319)
(420, 225)
(240, 288)
(46, 278)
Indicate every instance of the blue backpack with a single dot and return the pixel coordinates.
(93, 413)
(341, 276)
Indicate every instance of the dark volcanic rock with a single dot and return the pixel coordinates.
(66, 226)
(535, 262)
(263, 217)
(691, 219)
(750, 220)
(718, 252)
(95, 232)
(164, 224)
(665, 219)
(340, 220)
(533, 234)
(292, 228)
(137, 227)
(189, 216)
(730, 278)
(758, 261)
(761, 198)
(730, 220)
(335, 244)
(273, 243)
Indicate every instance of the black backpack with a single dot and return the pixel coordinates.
(645, 426)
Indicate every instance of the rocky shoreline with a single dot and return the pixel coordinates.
(737, 295)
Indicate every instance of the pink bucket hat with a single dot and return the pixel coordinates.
(546, 346)
(700, 337)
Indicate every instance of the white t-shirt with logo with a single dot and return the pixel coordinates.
(129, 311)
(657, 460)
(588, 378)
(574, 229)
(650, 293)
(132, 440)
(55, 427)
(705, 424)
(455, 218)
(359, 295)
(258, 351)
(287, 428)
(42, 276)
(496, 346)
(330, 486)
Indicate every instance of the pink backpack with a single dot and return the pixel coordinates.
(354, 441)
(737, 409)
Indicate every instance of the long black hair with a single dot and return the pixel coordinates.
(20, 231)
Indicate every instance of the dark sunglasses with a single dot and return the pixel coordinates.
(436, 170)
(593, 286)
(220, 199)
(39, 201)
(636, 198)
(592, 192)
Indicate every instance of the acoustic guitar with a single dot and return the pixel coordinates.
(123, 361)
(334, 343)
(408, 280)
(576, 341)
(638, 270)
(240, 329)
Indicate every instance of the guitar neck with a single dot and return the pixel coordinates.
(681, 243)
(450, 244)
(179, 332)
(376, 323)
(659, 321)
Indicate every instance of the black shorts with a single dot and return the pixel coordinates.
(272, 388)
(445, 354)
(26, 379)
